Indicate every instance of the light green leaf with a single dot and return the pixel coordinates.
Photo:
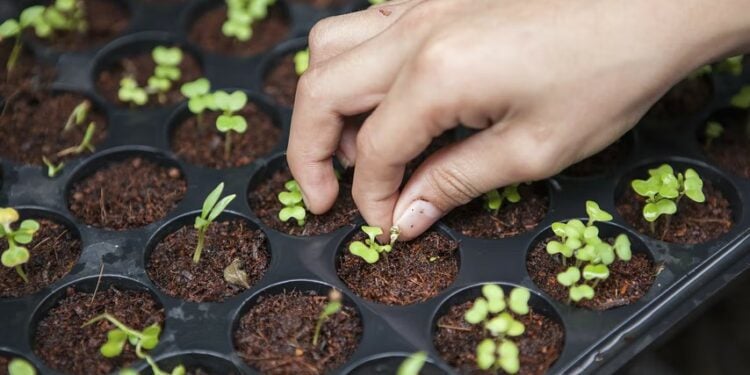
(598, 271)
(495, 297)
(652, 211)
(497, 325)
(15, 256)
(236, 123)
(571, 276)
(413, 364)
(494, 201)
(219, 208)
(519, 301)
(295, 212)
(622, 247)
(586, 253)
(509, 361)
(292, 185)
(179, 370)
(486, 354)
(645, 188)
(595, 213)
(301, 61)
(169, 56)
(372, 232)
(116, 339)
(579, 292)
(236, 101)
(9, 28)
(604, 253)
(211, 200)
(478, 311)
(199, 87)
(363, 251)
(151, 336)
(511, 193)
(559, 229)
(18, 366)
(31, 16)
(290, 198)
(742, 98)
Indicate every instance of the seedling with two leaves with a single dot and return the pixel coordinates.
(494, 199)
(370, 249)
(413, 364)
(31, 17)
(240, 17)
(294, 206)
(495, 313)
(331, 308)
(229, 121)
(15, 256)
(212, 208)
(199, 97)
(77, 117)
(166, 72)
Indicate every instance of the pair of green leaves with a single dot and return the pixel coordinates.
(229, 104)
(493, 301)
(370, 249)
(294, 206)
(212, 208)
(32, 16)
(573, 274)
(122, 334)
(494, 199)
(15, 255)
(503, 355)
(198, 94)
(663, 189)
(238, 24)
(130, 92)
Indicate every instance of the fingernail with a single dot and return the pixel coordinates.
(417, 218)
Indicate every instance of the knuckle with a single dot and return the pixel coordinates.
(319, 37)
(307, 84)
(452, 188)
(366, 145)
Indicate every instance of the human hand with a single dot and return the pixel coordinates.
(546, 82)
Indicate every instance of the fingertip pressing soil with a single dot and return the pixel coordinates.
(141, 66)
(626, 284)
(601, 162)
(66, 346)
(731, 151)
(206, 32)
(694, 223)
(275, 335)
(127, 194)
(687, 97)
(33, 122)
(281, 81)
(28, 74)
(474, 220)
(265, 204)
(202, 144)
(106, 20)
(171, 264)
(54, 251)
(412, 272)
(539, 346)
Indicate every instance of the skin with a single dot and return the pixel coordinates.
(546, 83)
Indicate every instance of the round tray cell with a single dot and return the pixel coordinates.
(687, 97)
(126, 189)
(195, 364)
(627, 282)
(263, 193)
(54, 250)
(197, 140)
(274, 330)
(132, 57)
(694, 223)
(59, 338)
(230, 240)
(279, 74)
(729, 150)
(37, 124)
(605, 161)
(390, 365)
(512, 219)
(456, 340)
(205, 30)
(411, 272)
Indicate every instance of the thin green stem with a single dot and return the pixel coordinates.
(14, 54)
(154, 367)
(228, 145)
(318, 327)
(22, 273)
(199, 247)
(108, 317)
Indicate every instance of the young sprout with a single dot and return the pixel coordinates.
(240, 17)
(130, 92)
(228, 122)
(85, 144)
(663, 191)
(370, 249)
(199, 97)
(15, 256)
(167, 70)
(67, 15)
(212, 208)
(12, 28)
(413, 364)
(19, 366)
(494, 199)
(78, 115)
(732, 65)
(495, 313)
(585, 254)
(332, 307)
(294, 206)
(742, 98)
(301, 61)
(52, 169)
(714, 130)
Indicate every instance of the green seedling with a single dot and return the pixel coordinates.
(167, 71)
(228, 121)
(701, 72)
(85, 144)
(370, 249)
(19, 366)
(413, 364)
(663, 191)
(15, 256)
(331, 308)
(67, 15)
(78, 115)
(496, 314)
(52, 169)
(714, 130)
(302, 61)
(241, 14)
(294, 206)
(732, 65)
(30, 17)
(212, 208)
(131, 93)
(199, 97)
(742, 98)
(586, 256)
(494, 199)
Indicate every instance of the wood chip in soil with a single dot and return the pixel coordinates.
(106, 20)
(601, 162)
(206, 32)
(66, 346)
(627, 282)
(127, 194)
(54, 251)
(687, 97)
(202, 144)
(694, 223)
(171, 264)
(141, 66)
(33, 122)
(539, 346)
(28, 74)
(731, 151)
(275, 335)
(265, 204)
(412, 272)
(281, 81)
(474, 220)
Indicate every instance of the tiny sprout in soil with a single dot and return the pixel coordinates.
(85, 144)
(329, 309)
(663, 191)
(302, 61)
(199, 97)
(15, 256)
(494, 199)
(294, 206)
(18, 366)
(130, 92)
(370, 249)
(240, 17)
(587, 254)
(714, 131)
(212, 208)
(167, 71)
(52, 168)
(228, 122)
(495, 313)
(413, 364)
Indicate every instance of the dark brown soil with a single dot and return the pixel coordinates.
(281, 81)
(412, 272)
(456, 341)
(693, 223)
(688, 96)
(54, 251)
(206, 32)
(32, 126)
(67, 347)
(28, 74)
(106, 20)
(731, 151)
(601, 162)
(4, 365)
(171, 264)
(265, 204)
(202, 144)
(474, 220)
(141, 67)
(627, 282)
(112, 198)
(275, 336)
(321, 3)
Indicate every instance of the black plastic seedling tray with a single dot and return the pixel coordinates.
(595, 341)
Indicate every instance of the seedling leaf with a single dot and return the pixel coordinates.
(413, 364)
